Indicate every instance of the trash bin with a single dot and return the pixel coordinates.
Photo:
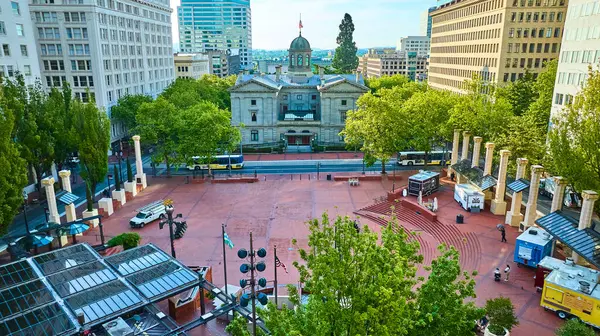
(460, 219)
(328, 177)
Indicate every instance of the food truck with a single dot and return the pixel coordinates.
(532, 246)
(469, 197)
(572, 291)
(426, 182)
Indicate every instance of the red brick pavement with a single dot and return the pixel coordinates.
(276, 211)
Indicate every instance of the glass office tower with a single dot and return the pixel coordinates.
(221, 25)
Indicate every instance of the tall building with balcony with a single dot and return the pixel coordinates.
(209, 25)
(18, 53)
(580, 49)
(105, 49)
(497, 40)
(296, 107)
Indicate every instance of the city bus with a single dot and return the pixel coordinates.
(218, 162)
(418, 158)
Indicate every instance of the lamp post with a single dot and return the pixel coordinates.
(25, 198)
(120, 158)
(262, 282)
(168, 219)
(47, 214)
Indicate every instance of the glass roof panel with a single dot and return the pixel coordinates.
(23, 298)
(163, 279)
(15, 273)
(104, 301)
(59, 260)
(48, 320)
(80, 278)
(137, 259)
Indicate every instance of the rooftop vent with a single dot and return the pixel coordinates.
(584, 287)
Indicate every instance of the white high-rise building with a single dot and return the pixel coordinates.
(110, 47)
(17, 42)
(418, 44)
(580, 49)
(209, 25)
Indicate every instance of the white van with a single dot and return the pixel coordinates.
(147, 214)
(469, 197)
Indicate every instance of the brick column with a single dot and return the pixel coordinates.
(465, 148)
(534, 186)
(559, 193)
(498, 206)
(65, 177)
(476, 150)
(514, 216)
(139, 175)
(48, 184)
(587, 212)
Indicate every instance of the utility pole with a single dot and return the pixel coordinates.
(262, 282)
(275, 282)
(252, 283)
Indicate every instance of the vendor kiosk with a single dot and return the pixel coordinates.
(532, 246)
(426, 182)
(469, 197)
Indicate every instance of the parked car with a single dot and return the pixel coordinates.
(147, 214)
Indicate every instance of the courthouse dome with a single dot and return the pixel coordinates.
(300, 44)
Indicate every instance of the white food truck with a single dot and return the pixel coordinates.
(469, 197)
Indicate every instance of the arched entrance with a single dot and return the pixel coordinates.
(298, 141)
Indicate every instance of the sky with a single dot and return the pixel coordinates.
(378, 23)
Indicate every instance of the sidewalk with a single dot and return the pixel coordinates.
(303, 156)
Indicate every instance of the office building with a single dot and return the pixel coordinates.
(223, 63)
(208, 25)
(580, 49)
(496, 40)
(408, 64)
(111, 48)
(191, 66)
(425, 27)
(418, 44)
(17, 42)
(297, 107)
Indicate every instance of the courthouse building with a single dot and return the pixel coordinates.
(297, 106)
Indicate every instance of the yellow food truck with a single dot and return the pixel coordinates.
(572, 291)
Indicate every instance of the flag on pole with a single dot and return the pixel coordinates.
(278, 263)
(227, 241)
(300, 25)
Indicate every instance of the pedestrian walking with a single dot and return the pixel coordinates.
(507, 272)
(503, 232)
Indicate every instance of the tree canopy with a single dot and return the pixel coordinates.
(363, 283)
(345, 59)
(575, 139)
(126, 109)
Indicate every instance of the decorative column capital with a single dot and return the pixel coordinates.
(477, 139)
(561, 180)
(457, 131)
(489, 145)
(522, 161)
(136, 138)
(537, 169)
(466, 134)
(48, 181)
(589, 195)
(504, 153)
(64, 173)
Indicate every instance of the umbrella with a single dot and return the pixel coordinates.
(77, 228)
(38, 241)
(500, 227)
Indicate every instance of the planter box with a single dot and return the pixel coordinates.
(488, 333)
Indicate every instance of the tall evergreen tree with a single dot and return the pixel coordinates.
(345, 59)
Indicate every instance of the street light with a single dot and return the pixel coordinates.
(168, 219)
(25, 198)
(262, 282)
(120, 158)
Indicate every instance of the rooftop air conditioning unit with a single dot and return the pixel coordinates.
(118, 327)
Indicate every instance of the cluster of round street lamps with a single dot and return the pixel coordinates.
(252, 267)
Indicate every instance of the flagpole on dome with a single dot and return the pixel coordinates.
(300, 26)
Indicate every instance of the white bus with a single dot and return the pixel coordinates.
(218, 162)
(418, 158)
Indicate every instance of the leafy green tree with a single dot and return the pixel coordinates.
(129, 171)
(345, 59)
(575, 139)
(93, 142)
(427, 113)
(575, 327)
(204, 130)
(544, 90)
(386, 82)
(66, 134)
(126, 109)
(501, 313)
(520, 94)
(524, 139)
(363, 283)
(158, 124)
(13, 171)
(380, 125)
(185, 93)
